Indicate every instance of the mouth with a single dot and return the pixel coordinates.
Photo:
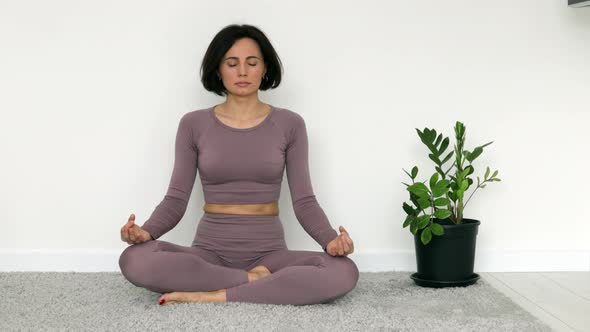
(242, 83)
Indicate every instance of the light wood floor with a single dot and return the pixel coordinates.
(560, 299)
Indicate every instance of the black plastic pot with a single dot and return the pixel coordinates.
(447, 260)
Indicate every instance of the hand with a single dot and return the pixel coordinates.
(133, 234)
(342, 245)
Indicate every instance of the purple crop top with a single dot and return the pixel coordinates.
(241, 165)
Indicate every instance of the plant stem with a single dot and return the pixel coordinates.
(474, 191)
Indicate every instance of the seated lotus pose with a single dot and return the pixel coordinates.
(240, 148)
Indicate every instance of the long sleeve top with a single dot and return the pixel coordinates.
(241, 166)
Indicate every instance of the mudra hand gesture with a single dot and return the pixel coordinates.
(342, 245)
(133, 234)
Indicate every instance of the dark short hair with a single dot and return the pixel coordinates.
(223, 41)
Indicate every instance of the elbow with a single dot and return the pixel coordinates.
(305, 205)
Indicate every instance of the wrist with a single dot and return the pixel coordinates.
(147, 236)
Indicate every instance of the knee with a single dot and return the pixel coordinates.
(349, 273)
(343, 275)
(131, 262)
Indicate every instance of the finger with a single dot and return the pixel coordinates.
(331, 251)
(348, 239)
(132, 234)
(344, 245)
(342, 229)
(341, 241)
(347, 247)
(131, 220)
(124, 234)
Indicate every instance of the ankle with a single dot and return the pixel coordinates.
(252, 276)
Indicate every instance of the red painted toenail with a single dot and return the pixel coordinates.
(162, 301)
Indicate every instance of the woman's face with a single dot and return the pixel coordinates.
(243, 62)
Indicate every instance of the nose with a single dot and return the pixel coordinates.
(242, 69)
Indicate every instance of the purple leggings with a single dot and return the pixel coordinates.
(224, 248)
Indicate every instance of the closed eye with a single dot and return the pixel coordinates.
(251, 64)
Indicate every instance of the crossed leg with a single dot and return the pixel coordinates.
(162, 267)
(298, 277)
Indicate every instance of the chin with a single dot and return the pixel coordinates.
(244, 93)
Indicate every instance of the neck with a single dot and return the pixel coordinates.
(243, 108)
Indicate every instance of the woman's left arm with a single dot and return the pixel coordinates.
(308, 211)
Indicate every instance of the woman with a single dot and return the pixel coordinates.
(240, 148)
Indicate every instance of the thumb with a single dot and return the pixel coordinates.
(131, 221)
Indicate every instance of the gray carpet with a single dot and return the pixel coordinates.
(381, 301)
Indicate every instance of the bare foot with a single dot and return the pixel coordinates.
(259, 272)
(175, 297)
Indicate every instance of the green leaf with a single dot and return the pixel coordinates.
(439, 191)
(433, 180)
(467, 155)
(423, 203)
(464, 185)
(426, 236)
(434, 158)
(448, 157)
(421, 135)
(495, 173)
(414, 200)
(442, 213)
(408, 220)
(437, 229)
(460, 194)
(444, 145)
(496, 179)
(443, 201)
(464, 174)
(406, 172)
(453, 196)
(443, 183)
(431, 134)
(438, 139)
(409, 210)
(459, 129)
(414, 172)
(423, 221)
(483, 146)
(483, 185)
(476, 152)
(413, 227)
(440, 188)
(418, 188)
(439, 170)
(487, 173)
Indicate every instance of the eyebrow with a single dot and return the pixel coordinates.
(236, 58)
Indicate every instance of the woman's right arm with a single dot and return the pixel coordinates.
(171, 209)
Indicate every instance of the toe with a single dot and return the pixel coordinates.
(163, 299)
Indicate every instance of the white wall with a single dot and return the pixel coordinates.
(92, 92)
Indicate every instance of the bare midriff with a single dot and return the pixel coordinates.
(266, 209)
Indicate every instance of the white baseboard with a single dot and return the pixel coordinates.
(100, 260)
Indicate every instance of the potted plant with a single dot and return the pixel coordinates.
(444, 240)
